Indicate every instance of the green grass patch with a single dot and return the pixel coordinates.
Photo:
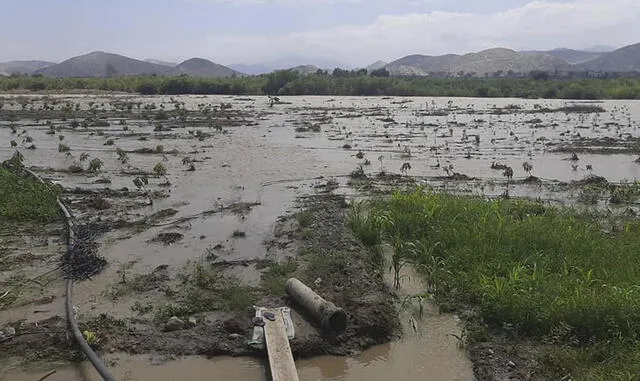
(275, 277)
(26, 199)
(204, 289)
(364, 225)
(304, 218)
(538, 268)
(331, 267)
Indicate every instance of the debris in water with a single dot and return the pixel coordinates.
(81, 260)
(168, 238)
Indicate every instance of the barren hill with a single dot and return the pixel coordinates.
(571, 56)
(23, 67)
(625, 59)
(200, 67)
(481, 63)
(101, 64)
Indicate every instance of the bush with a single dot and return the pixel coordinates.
(24, 198)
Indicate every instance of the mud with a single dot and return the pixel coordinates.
(231, 172)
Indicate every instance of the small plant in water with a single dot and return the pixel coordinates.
(380, 158)
(95, 165)
(141, 183)
(405, 167)
(160, 170)
(122, 156)
(508, 173)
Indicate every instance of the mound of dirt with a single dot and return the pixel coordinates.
(591, 180)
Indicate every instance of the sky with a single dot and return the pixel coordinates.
(353, 32)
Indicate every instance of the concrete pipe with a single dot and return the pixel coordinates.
(329, 315)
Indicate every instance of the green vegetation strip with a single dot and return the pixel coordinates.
(204, 288)
(289, 82)
(23, 198)
(552, 274)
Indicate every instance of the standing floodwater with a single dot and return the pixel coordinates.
(220, 173)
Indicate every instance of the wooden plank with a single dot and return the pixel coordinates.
(283, 368)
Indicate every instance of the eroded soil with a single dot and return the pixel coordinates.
(204, 237)
(332, 260)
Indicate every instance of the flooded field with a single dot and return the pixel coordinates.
(174, 181)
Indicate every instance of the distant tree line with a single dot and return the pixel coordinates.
(354, 82)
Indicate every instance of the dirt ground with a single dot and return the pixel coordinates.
(357, 287)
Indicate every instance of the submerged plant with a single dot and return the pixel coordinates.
(95, 165)
(160, 170)
(405, 167)
(141, 182)
(122, 156)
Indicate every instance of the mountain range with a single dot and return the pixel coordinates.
(481, 63)
(101, 64)
(500, 61)
(494, 62)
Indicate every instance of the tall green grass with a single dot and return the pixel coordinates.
(541, 269)
(23, 198)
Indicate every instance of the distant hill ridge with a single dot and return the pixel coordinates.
(626, 59)
(485, 62)
(102, 64)
(22, 67)
(490, 62)
(499, 61)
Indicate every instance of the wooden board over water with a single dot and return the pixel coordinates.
(283, 368)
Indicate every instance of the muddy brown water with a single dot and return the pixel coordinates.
(270, 163)
(428, 350)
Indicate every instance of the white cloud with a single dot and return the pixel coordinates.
(536, 25)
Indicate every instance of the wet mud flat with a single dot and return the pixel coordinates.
(314, 245)
(214, 230)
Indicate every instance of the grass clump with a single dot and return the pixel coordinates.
(26, 199)
(534, 267)
(275, 277)
(304, 218)
(330, 267)
(203, 289)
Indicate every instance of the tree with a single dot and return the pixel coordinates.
(279, 79)
(382, 73)
(539, 75)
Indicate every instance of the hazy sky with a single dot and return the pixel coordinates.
(356, 32)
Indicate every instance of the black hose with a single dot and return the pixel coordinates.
(71, 319)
